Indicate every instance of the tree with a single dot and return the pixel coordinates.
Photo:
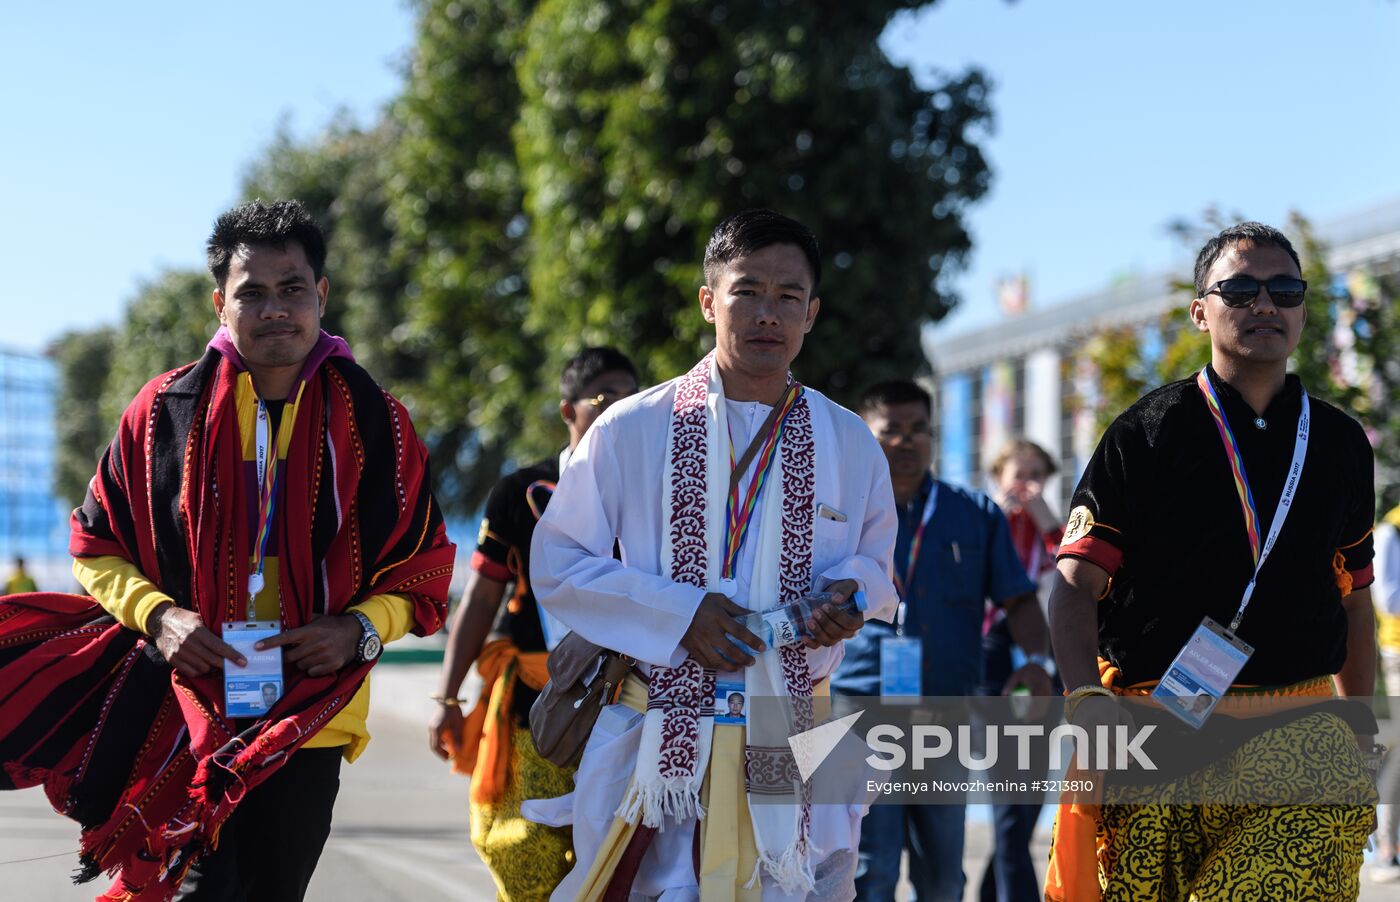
(166, 325)
(548, 179)
(644, 123)
(83, 360)
(457, 218)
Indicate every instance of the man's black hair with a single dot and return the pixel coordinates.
(750, 231)
(589, 364)
(272, 224)
(894, 391)
(1252, 233)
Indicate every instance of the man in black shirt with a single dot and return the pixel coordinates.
(1167, 524)
(527, 860)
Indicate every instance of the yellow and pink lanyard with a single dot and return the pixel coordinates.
(1260, 552)
(739, 513)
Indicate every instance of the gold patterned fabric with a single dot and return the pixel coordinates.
(1156, 843)
(527, 860)
(1237, 850)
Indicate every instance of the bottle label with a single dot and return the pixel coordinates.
(785, 631)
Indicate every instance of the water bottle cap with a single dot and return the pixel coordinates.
(859, 598)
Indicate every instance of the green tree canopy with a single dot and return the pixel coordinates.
(548, 179)
(83, 360)
(166, 325)
(645, 123)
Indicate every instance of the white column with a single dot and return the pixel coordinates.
(1042, 406)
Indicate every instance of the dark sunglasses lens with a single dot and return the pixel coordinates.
(1239, 292)
(1287, 292)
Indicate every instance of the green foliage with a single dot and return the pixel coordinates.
(644, 123)
(549, 177)
(166, 326)
(83, 360)
(342, 177)
(458, 232)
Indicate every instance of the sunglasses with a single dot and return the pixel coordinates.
(1241, 291)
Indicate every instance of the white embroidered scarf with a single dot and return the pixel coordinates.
(676, 733)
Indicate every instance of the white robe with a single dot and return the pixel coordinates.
(614, 488)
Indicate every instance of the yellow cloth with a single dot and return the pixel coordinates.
(527, 860)
(1388, 625)
(1077, 840)
(1388, 631)
(20, 582)
(127, 595)
(728, 853)
(483, 748)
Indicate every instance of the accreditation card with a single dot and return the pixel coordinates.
(1202, 672)
(731, 699)
(901, 667)
(251, 691)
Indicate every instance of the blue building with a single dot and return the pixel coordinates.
(33, 523)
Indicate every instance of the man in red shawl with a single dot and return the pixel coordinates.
(271, 482)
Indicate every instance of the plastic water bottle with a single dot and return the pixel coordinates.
(786, 624)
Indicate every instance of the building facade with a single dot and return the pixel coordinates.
(33, 523)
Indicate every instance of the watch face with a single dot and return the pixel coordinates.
(371, 648)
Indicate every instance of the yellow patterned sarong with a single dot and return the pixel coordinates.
(527, 860)
(1231, 849)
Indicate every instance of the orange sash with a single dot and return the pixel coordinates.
(482, 750)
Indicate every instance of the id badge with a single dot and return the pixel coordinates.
(901, 667)
(731, 699)
(251, 691)
(1202, 673)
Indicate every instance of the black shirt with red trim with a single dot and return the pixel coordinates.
(1157, 508)
(503, 548)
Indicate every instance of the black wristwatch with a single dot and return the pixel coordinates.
(370, 645)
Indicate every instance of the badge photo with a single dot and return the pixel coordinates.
(731, 701)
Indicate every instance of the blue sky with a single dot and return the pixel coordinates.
(129, 127)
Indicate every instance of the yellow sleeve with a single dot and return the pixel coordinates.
(119, 587)
(392, 615)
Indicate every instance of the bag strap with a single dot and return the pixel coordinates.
(743, 465)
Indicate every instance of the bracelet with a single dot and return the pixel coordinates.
(1073, 698)
(447, 701)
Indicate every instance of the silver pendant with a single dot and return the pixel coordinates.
(1260, 423)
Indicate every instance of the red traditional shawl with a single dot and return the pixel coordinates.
(143, 758)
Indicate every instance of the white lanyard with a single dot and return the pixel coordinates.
(1285, 502)
(262, 523)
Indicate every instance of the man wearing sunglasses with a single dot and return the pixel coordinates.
(526, 859)
(1232, 512)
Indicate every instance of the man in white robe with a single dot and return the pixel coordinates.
(654, 474)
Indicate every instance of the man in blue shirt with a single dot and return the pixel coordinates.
(953, 553)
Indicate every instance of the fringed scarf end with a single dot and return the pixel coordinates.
(655, 802)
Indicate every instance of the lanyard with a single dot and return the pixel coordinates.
(1259, 552)
(266, 462)
(738, 513)
(915, 543)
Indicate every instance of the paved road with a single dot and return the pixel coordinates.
(400, 824)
